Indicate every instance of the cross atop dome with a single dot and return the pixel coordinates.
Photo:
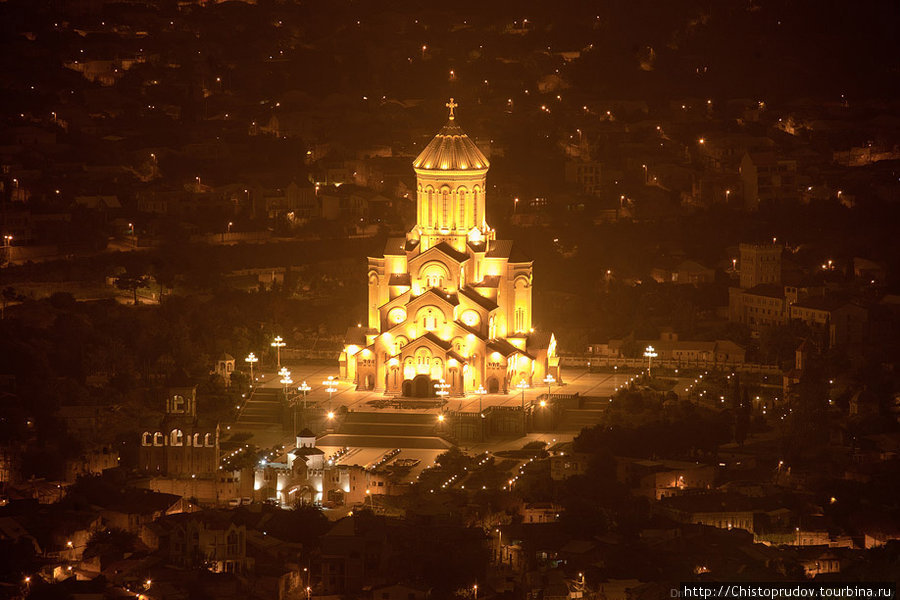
(451, 105)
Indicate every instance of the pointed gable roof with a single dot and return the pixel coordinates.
(485, 303)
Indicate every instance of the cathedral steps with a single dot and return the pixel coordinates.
(383, 441)
(589, 403)
(387, 429)
(591, 413)
(263, 408)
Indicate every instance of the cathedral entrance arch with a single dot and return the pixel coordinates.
(420, 387)
(493, 386)
(370, 382)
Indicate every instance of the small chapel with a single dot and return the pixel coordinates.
(449, 304)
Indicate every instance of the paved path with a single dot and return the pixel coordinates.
(575, 380)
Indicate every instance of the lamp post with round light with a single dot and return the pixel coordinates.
(278, 343)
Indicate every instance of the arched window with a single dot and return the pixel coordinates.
(146, 439)
(461, 203)
(430, 321)
(207, 440)
(176, 438)
(420, 205)
(196, 440)
(158, 439)
(429, 208)
(476, 193)
(520, 319)
(445, 207)
(433, 274)
(437, 369)
(423, 360)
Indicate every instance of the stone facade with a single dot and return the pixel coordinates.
(449, 301)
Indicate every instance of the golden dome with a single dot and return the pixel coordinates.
(451, 150)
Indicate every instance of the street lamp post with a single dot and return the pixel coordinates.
(278, 343)
(330, 387)
(523, 385)
(251, 360)
(650, 354)
(481, 392)
(440, 388)
(304, 388)
(549, 380)
(285, 379)
(7, 248)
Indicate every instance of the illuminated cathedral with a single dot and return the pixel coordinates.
(449, 301)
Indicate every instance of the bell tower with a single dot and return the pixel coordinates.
(450, 189)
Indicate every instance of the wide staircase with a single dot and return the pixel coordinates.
(262, 410)
(590, 413)
(387, 429)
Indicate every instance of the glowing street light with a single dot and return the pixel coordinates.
(523, 385)
(285, 379)
(278, 344)
(304, 389)
(481, 392)
(441, 388)
(330, 387)
(251, 360)
(650, 354)
(549, 380)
